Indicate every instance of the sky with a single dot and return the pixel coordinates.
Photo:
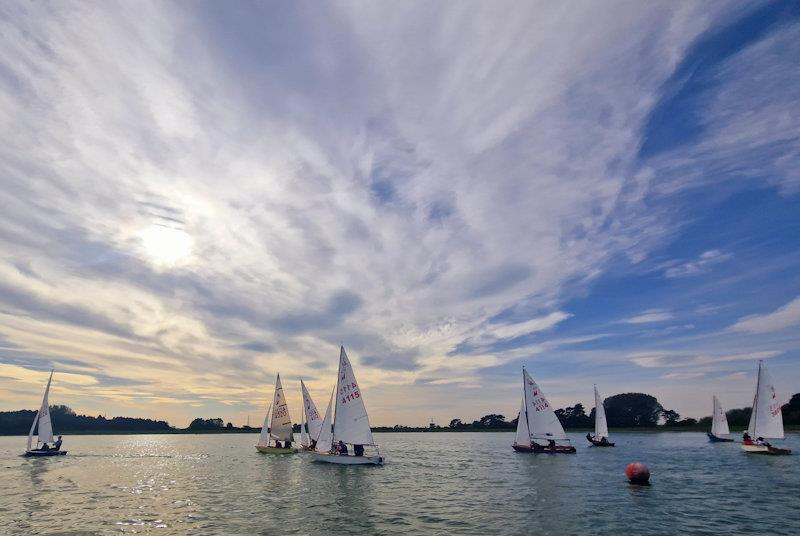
(196, 196)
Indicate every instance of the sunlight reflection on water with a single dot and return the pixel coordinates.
(437, 483)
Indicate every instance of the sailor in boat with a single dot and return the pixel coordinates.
(287, 444)
(341, 448)
(552, 444)
(44, 446)
(278, 444)
(603, 439)
(761, 442)
(746, 439)
(358, 450)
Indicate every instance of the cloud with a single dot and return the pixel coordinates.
(689, 359)
(393, 178)
(786, 316)
(702, 264)
(650, 316)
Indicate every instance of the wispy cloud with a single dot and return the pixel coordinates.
(702, 264)
(650, 316)
(782, 318)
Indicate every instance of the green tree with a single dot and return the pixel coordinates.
(574, 417)
(631, 410)
(791, 411)
(455, 423)
(739, 417)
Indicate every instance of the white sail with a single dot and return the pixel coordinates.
(281, 422)
(766, 419)
(303, 434)
(325, 437)
(542, 420)
(313, 417)
(719, 421)
(351, 423)
(263, 438)
(523, 435)
(600, 424)
(45, 432)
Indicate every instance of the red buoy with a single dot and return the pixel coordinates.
(638, 473)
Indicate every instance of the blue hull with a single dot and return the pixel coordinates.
(714, 439)
(42, 453)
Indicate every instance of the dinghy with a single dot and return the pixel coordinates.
(600, 438)
(719, 425)
(766, 420)
(350, 423)
(538, 427)
(309, 432)
(45, 429)
(278, 426)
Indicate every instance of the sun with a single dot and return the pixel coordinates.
(166, 246)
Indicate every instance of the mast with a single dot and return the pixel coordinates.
(755, 400)
(336, 393)
(525, 398)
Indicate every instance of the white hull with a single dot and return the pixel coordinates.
(275, 450)
(347, 460)
(762, 449)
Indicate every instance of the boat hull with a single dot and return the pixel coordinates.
(716, 439)
(275, 450)
(763, 449)
(44, 453)
(347, 460)
(599, 444)
(539, 449)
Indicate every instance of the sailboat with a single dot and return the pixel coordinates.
(45, 430)
(766, 420)
(719, 425)
(277, 426)
(600, 438)
(312, 422)
(350, 422)
(538, 427)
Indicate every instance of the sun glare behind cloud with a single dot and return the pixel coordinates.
(166, 246)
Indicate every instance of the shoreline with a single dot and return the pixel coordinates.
(381, 430)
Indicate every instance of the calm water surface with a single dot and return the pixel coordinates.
(433, 483)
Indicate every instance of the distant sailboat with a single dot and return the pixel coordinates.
(766, 420)
(45, 429)
(278, 426)
(600, 438)
(350, 423)
(537, 418)
(311, 419)
(719, 424)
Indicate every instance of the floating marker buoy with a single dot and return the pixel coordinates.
(638, 473)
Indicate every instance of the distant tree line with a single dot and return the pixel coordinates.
(66, 420)
(627, 410)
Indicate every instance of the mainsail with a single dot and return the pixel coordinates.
(523, 435)
(766, 419)
(600, 424)
(281, 425)
(542, 420)
(719, 422)
(313, 418)
(303, 434)
(42, 417)
(325, 437)
(351, 423)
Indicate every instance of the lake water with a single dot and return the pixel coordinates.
(433, 483)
